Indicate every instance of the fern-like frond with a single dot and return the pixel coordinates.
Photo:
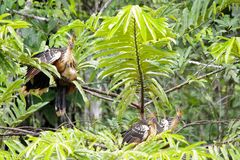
(132, 49)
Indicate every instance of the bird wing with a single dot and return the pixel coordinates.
(137, 133)
(49, 56)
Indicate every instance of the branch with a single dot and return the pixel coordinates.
(105, 98)
(18, 130)
(202, 122)
(29, 15)
(23, 131)
(187, 82)
(93, 90)
(198, 78)
(205, 65)
(100, 91)
(37, 129)
(99, 96)
(105, 6)
(232, 141)
(12, 134)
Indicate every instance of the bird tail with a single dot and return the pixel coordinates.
(60, 101)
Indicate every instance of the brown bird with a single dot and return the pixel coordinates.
(145, 129)
(63, 60)
(141, 131)
(170, 123)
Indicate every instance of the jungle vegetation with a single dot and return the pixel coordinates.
(134, 58)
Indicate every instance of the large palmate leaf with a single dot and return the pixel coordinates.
(132, 49)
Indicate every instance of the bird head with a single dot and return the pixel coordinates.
(152, 119)
(179, 113)
(71, 42)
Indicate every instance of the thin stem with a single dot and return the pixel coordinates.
(188, 81)
(105, 6)
(141, 79)
(19, 130)
(29, 15)
(107, 93)
(203, 122)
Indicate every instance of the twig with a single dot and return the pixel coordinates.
(105, 6)
(201, 122)
(100, 91)
(222, 143)
(203, 64)
(92, 91)
(99, 96)
(198, 78)
(69, 120)
(19, 130)
(37, 129)
(29, 15)
(12, 134)
(107, 98)
(187, 82)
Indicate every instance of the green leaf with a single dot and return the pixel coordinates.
(80, 89)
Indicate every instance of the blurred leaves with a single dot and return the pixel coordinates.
(227, 51)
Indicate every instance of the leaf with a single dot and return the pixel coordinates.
(158, 90)
(79, 87)
(11, 88)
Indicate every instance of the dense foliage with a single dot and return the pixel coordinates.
(133, 58)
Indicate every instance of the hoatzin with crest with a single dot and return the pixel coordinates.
(63, 60)
(145, 129)
(170, 123)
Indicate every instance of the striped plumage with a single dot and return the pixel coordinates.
(141, 131)
(65, 63)
(137, 133)
(145, 129)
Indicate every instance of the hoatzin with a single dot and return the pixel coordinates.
(141, 131)
(169, 123)
(63, 60)
(145, 129)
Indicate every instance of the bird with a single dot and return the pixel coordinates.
(146, 129)
(170, 123)
(141, 131)
(64, 61)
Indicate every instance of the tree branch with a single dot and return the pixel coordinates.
(29, 15)
(202, 122)
(93, 90)
(12, 134)
(203, 64)
(18, 130)
(105, 6)
(23, 131)
(187, 82)
(99, 96)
